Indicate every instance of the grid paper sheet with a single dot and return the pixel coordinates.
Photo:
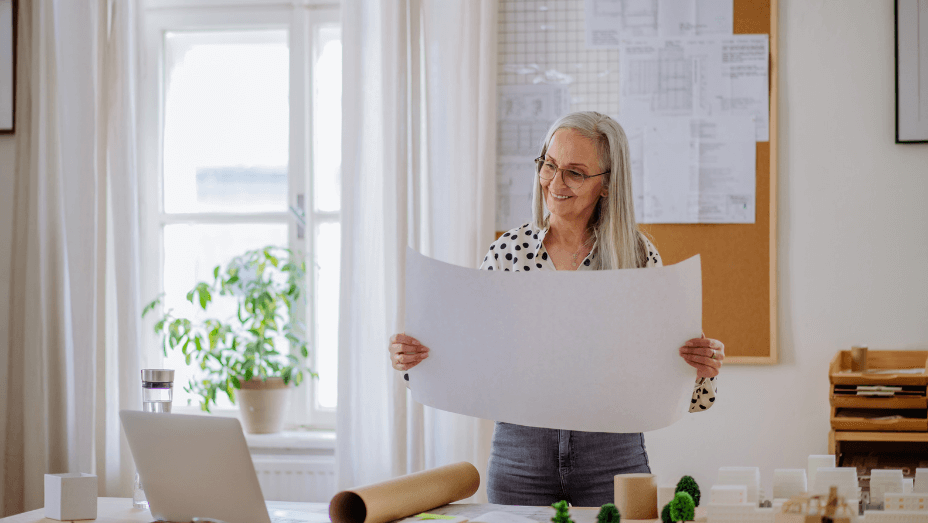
(543, 41)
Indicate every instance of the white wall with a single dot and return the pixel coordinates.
(853, 245)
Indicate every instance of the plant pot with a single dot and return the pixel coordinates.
(262, 404)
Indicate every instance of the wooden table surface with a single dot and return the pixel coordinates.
(119, 510)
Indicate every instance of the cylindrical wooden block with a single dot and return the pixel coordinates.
(859, 358)
(636, 496)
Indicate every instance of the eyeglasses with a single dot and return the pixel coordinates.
(547, 171)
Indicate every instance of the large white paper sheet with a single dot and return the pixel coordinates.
(609, 21)
(588, 350)
(696, 77)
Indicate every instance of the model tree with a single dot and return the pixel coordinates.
(682, 507)
(665, 514)
(688, 484)
(608, 513)
(562, 515)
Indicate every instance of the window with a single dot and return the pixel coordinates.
(240, 129)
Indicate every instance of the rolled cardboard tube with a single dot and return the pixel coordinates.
(406, 495)
(636, 496)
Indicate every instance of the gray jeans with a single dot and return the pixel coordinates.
(534, 466)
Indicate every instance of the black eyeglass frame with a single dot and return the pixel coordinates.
(540, 161)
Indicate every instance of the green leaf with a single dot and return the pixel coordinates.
(235, 382)
(190, 296)
(216, 272)
(187, 359)
(304, 351)
(151, 306)
(205, 297)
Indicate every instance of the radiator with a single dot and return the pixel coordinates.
(296, 478)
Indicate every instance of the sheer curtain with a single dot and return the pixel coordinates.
(74, 304)
(418, 169)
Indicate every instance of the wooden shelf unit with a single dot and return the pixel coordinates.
(859, 437)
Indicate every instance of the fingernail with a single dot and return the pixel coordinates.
(424, 355)
(416, 342)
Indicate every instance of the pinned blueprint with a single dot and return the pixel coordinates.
(592, 350)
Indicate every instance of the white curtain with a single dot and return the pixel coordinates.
(73, 358)
(418, 169)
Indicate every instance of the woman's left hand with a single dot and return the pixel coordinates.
(705, 355)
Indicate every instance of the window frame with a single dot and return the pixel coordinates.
(302, 20)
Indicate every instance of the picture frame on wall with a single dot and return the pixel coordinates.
(7, 66)
(911, 71)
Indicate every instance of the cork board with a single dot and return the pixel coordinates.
(739, 270)
(738, 260)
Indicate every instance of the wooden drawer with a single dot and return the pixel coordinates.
(915, 420)
(880, 363)
(866, 402)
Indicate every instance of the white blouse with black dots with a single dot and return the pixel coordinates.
(523, 249)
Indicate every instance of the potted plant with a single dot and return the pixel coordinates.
(240, 356)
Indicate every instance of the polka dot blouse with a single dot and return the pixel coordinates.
(523, 249)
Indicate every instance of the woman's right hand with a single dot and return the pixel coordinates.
(406, 352)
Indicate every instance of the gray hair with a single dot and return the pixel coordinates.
(620, 244)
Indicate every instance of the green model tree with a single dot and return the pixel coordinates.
(562, 515)
(682, 507)
(608, 513)
(665, 514)
(688, 484)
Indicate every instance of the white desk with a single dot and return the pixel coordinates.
(119, 510)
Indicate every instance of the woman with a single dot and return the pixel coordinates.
(583, 219)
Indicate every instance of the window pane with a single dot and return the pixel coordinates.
(327, 119)
(328, 254)
(226, 121)
(190, 253)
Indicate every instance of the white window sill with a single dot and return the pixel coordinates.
(294, 442)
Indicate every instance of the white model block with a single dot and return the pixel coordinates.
(729, 494)
(883, 481)
(880, 516)
(747, 476)
(921, 481)
(907, 485)
(817, 461)
(895, 502)
(664, 496)
(70, 496)
(789, 482)
(845, 478)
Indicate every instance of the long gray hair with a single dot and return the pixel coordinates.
(620, 244)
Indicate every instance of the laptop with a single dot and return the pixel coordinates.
(199, 466)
